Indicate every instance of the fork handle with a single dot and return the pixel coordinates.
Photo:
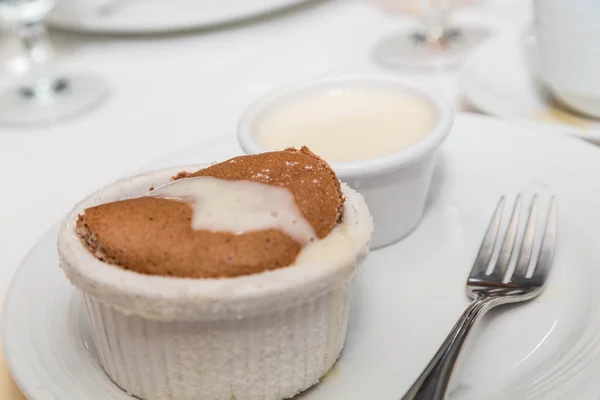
(432, 384)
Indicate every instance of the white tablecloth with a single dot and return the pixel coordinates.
(170, 91)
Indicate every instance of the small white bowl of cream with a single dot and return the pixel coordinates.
(380, 135)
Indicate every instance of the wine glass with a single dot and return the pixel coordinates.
(435, 45)
(41, 95)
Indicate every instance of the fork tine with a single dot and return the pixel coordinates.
(546, 255)
(489, 241)
(528, 240)
(509, 242)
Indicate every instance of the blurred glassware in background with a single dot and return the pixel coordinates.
(435, 45)
(42, 95)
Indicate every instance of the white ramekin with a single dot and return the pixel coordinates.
(395, 186)
(266, 336)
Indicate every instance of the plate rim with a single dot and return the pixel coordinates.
(268, 8)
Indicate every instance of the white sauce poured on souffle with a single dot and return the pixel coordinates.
(239, 206)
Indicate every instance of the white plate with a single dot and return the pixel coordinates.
(155, 16)
(497, 78)
(408, 295)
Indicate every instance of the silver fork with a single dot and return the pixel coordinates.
(491, 290)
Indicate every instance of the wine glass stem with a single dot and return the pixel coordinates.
(435, 28)
(38, 81)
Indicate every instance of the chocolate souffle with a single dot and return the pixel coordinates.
(153, 235)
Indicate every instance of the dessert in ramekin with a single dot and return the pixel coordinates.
(179, 313)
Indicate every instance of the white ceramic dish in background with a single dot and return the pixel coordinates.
(508, 88)
(586, 104)
(164, 338)
(586, 9)
(546, 349)
(569, 57)
(157, 16)
(395, 186)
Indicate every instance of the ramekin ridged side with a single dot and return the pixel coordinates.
(267, 357)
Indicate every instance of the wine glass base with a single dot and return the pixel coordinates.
(75, 95)
(412, 50)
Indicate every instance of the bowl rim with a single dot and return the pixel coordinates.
(172, 298)
(362, 168)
